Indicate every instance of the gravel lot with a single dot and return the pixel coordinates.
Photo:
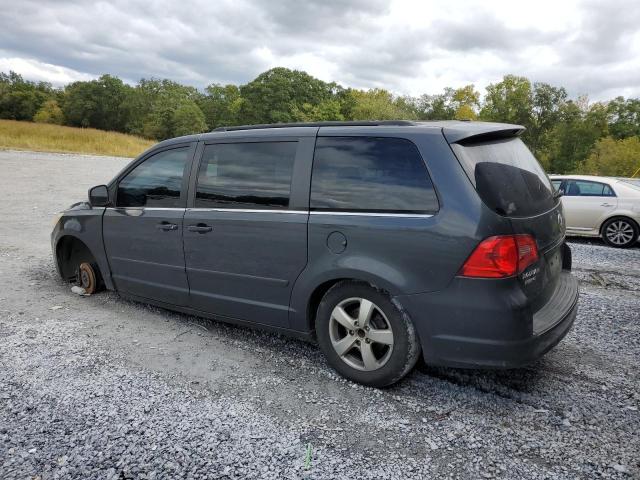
(99, 387)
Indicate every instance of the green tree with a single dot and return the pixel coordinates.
(509, 101)
(153, 103)
(221, 105)
(379, 104)
(546, 107)
(21, 99)
(624, 117)
(80, 106)
(97, 103)
(49, 112)
(274, 96)
(466, 101)
(173, 116)
(437, 107)
(188, 119)
(614, 157)
(327, 110)
(579, 128)
(452, 104)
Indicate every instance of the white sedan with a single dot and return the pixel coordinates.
(601, 207)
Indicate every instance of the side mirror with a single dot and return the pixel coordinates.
(99, 196)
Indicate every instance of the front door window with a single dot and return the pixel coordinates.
(157, 182)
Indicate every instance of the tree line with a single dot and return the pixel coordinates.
(566, 134)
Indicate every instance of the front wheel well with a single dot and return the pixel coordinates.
(70, 253)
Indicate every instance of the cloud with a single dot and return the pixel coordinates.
(408, 47)
(487, 33)
(606, 35)
(39, 71)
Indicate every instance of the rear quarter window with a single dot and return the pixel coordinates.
(507, 176)
(368, 174)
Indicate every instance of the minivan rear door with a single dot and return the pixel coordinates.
(245, 231)
(587, 204)
(511, 182)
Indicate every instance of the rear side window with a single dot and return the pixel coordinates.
(246, 175)
(156, 182)
(584, 188)
(365, 174)
(507, 176)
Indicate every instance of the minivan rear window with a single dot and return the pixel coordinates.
(507, 176)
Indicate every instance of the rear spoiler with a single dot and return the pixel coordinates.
(470, 132)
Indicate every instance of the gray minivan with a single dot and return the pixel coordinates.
(385, 241)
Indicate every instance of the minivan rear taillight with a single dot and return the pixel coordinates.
(501, 256)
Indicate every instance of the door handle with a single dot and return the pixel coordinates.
(200, 228)
(166, 226)
(605, 204)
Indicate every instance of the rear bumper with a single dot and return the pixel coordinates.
(480, 324)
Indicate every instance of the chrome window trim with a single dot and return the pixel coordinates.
(313, 212)
(146, 208)
(295, 212)
(373, 214)
(246, 210)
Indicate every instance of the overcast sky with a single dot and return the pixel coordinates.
(409, 47)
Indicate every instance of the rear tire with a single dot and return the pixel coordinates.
(620, 232)
(365, 336)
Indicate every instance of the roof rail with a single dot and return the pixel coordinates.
(372, 123)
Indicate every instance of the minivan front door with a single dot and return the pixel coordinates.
(245, 242)
(143, 232)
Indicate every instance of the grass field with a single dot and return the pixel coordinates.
(55, 138)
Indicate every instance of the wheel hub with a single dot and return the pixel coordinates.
(361, 334)
(620, 232)
(87, 278)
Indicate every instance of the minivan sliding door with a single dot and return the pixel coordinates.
(245, 238)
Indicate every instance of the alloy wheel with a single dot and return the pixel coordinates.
(619, 232)
(361, 334)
